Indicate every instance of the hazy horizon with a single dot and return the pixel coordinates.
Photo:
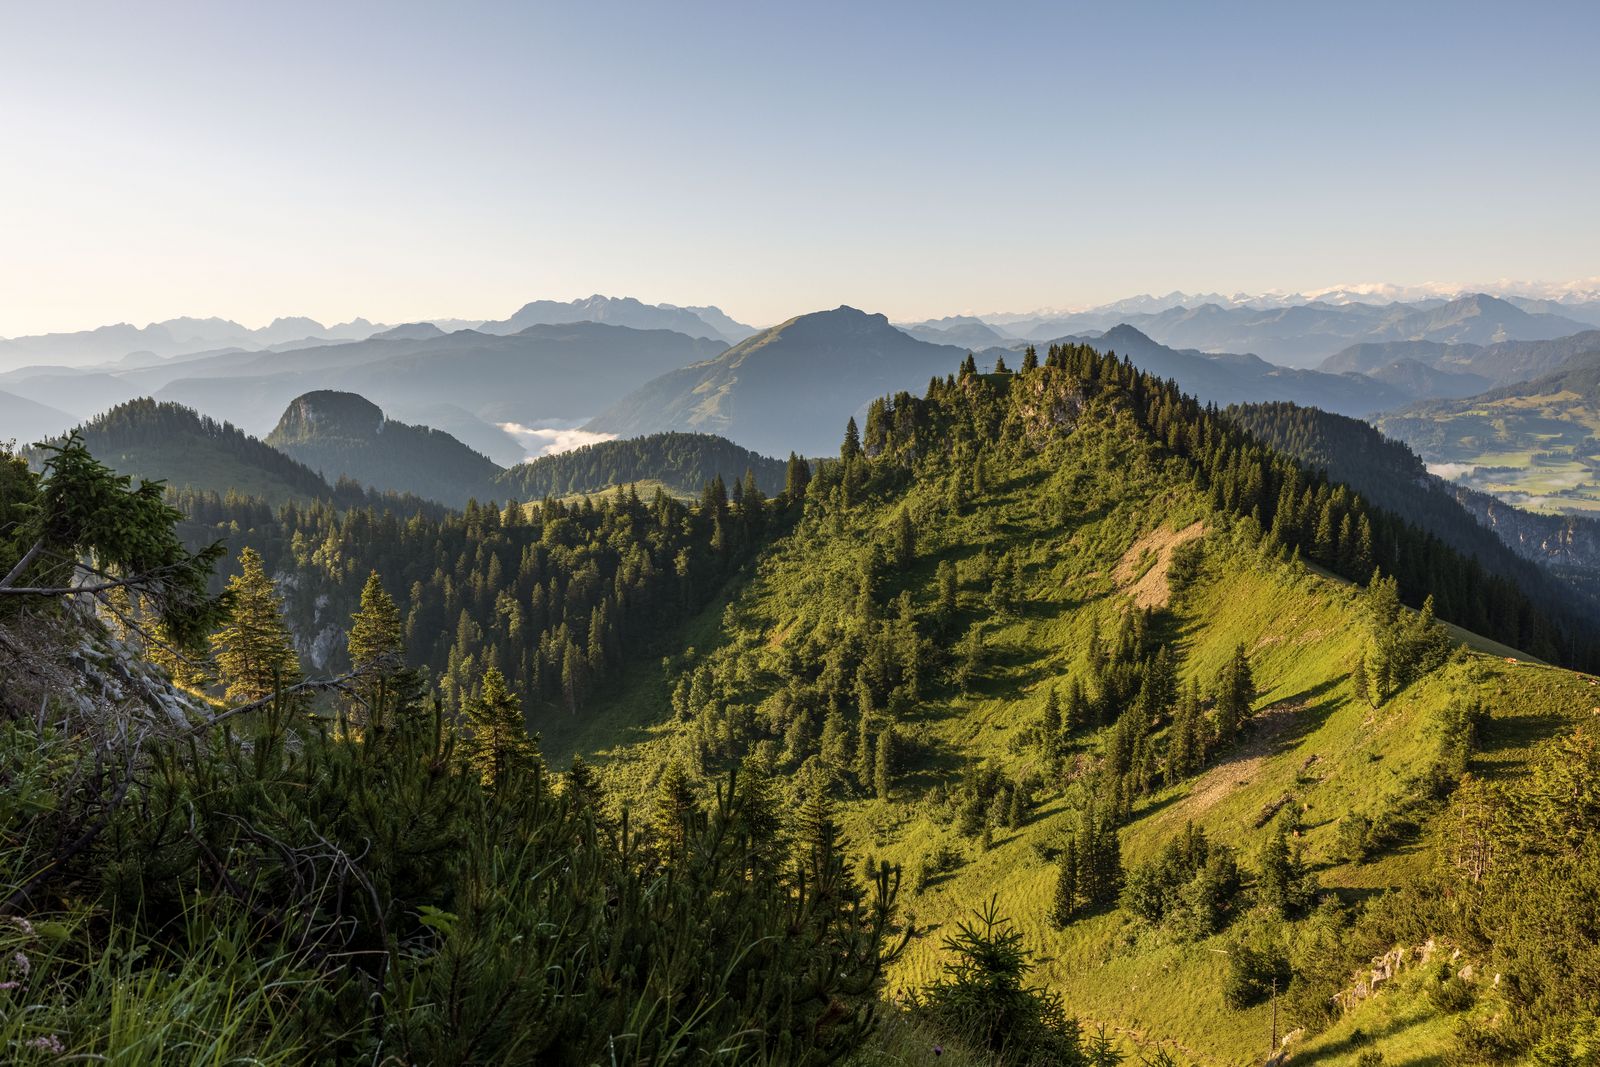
(395, 163)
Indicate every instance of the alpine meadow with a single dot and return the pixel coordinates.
(849, 673)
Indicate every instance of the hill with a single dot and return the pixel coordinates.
(681, 463)
(625, 311)
(1531, 443)
(345, 435)
(157, 441)
(778, 391)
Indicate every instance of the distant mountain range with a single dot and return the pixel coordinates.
(788, 388)
(542, 373)
(625, 311)
(1304, 335)
(134, 345)
(1495, 364)
(124, 346)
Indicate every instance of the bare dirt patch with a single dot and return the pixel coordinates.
(1146, 580)
(1240, 767)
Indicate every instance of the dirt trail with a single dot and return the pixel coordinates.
(1150, 589)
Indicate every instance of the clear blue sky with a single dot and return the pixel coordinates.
(399, 161)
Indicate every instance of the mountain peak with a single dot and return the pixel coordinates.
(327, 412)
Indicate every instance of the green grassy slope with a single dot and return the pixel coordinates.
(1092, 521)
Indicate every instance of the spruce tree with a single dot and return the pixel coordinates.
(377, 651)
(673, 808)
(851, 448)
(495, 741)
(884, 763)
(1030, 358)
(1050, 729)
(252, 650)
(1064, 905)
(905, 540)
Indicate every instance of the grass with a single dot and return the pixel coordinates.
(1328, 753)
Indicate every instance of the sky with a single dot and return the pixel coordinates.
(400, 162)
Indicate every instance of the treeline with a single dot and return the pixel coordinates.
(557, 597)
(681, 460)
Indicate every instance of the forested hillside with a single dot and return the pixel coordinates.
(1389, 474)
(1067, 678)
(684, 462)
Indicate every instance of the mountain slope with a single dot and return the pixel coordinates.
(786, 388)
(1392, 476)
(25, 421)
(345, 435)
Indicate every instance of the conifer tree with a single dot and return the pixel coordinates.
(674, 806)
(1050, 729)
(377, 650)
(884, 763)
(851, 448)
(1064, 904)
(496, 743)
(1000, 365)
(905, 539)
(796, 477)
(252, 650)
(1030, 358)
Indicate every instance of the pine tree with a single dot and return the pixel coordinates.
(1064, 904)
(1030, 358)
(673, 808)
(252, 650)
(1236, 690)
(377, 651)
(905, 540)
(496, 743)
(796, 477)
(1050, 729)
(1360, 684)
(851, 448)
(884, 763)
(1000, 365)
(947, 591)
